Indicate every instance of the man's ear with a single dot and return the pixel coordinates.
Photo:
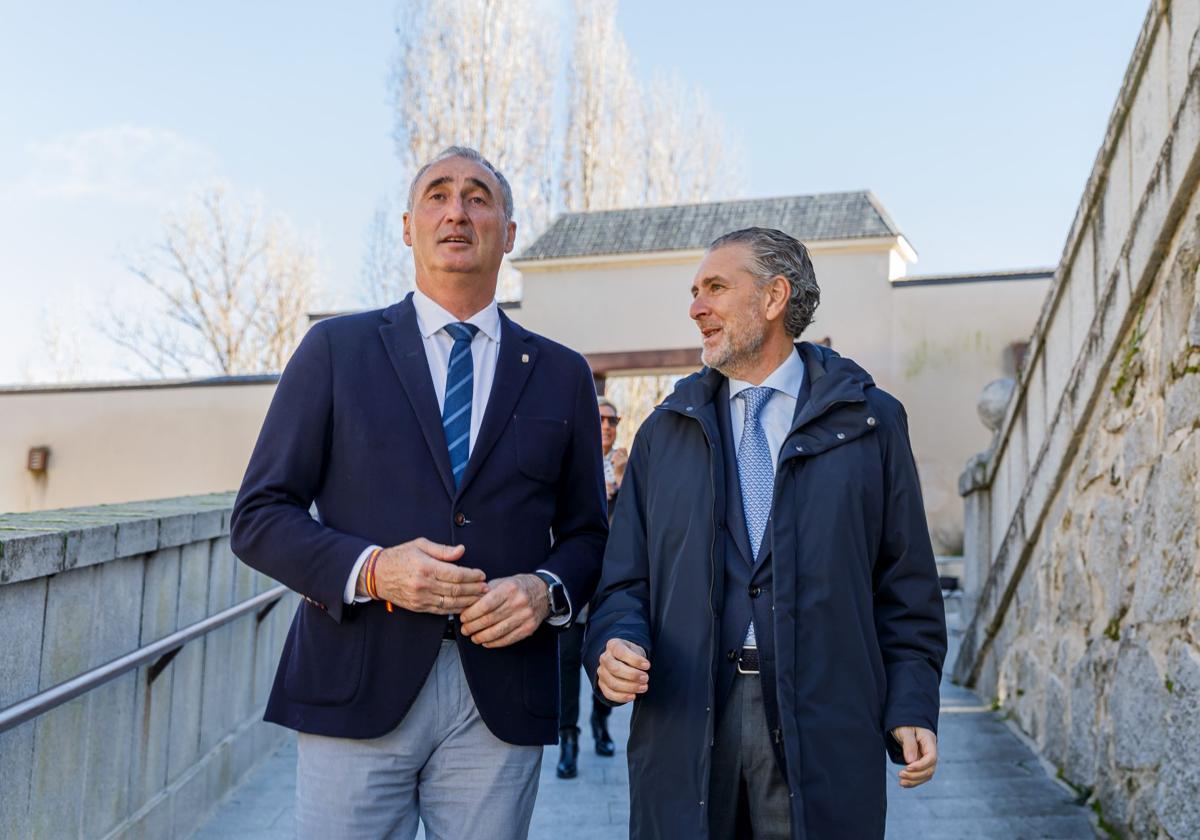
(512, 237)
(407, 234)
(778, 292)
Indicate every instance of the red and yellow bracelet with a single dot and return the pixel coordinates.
(369, 574)
(369, 577)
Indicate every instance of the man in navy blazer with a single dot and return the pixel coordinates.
(429, 478)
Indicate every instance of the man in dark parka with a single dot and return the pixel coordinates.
(769, 596)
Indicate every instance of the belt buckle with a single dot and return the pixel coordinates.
(741, 669)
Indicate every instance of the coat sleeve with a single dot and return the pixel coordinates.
(621, 609)
(580, 524)
(910, 619)
(271, 528)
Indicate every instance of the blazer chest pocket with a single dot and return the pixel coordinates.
(541, 442)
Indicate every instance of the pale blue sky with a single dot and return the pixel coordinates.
(976, 125)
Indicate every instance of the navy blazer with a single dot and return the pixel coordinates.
(354, 426)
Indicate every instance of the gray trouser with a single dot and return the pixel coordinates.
(441, 765)
(745, 772)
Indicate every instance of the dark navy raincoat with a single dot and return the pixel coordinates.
(860, 630)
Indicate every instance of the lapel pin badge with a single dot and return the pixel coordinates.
(525, 358)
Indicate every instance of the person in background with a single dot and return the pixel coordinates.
(570, 642)
(615, 457)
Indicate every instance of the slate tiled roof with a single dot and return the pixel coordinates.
(686, 227)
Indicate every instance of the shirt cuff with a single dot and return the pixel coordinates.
(348, 596)
(561, 620)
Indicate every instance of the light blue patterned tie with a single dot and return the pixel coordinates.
(756, 470)
(756, 473)
(456, 409)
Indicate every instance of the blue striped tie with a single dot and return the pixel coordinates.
(456, 410)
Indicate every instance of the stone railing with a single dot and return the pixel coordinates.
(1080, 534)
(148, 753)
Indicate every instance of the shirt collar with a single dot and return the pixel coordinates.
(788, 378)
(431, 317)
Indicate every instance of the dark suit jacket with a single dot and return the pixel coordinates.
(354, 426)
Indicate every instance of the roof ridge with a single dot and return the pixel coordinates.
(726, 202)
(884, 216)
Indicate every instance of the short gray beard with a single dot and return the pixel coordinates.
(736, 355)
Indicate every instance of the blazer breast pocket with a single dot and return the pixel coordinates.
(541, 443)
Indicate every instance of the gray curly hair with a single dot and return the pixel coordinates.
(775, 254)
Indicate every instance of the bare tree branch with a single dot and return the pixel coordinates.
(232, 288)
(484, 73)
(385, 274)
(626, 145)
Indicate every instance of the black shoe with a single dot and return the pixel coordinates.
(604, 741)
(568, 740)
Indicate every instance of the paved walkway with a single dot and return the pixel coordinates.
(988, 785)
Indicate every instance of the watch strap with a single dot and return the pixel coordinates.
(556, 593)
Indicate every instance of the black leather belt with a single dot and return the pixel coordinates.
(448, 630)
(748, 661)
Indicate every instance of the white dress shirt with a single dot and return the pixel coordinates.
(776, 418)
(485, 350)
(432, 320)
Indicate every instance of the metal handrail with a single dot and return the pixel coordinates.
(44, 701)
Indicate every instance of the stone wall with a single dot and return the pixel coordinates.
(138, 756)
(1082, 555)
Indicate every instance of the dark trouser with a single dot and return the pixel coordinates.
(748, 796)
(570, 655)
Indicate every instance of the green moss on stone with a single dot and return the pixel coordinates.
(1128, 355)
(1108, 828)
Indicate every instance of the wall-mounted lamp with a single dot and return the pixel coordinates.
(39, 459)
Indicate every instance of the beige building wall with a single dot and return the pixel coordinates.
(949, 340)
(610, 306)
(112, 444)
(614, 304)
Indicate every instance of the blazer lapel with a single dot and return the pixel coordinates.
(515, 363)
(402, 339)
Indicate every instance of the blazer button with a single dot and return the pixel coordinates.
(460, 519)
(731, 656)
(755, 591)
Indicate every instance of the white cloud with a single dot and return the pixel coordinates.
(126, 163)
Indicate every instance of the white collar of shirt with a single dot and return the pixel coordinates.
(432, 321)
(777, 414)
(431, 317)
(787, 378)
